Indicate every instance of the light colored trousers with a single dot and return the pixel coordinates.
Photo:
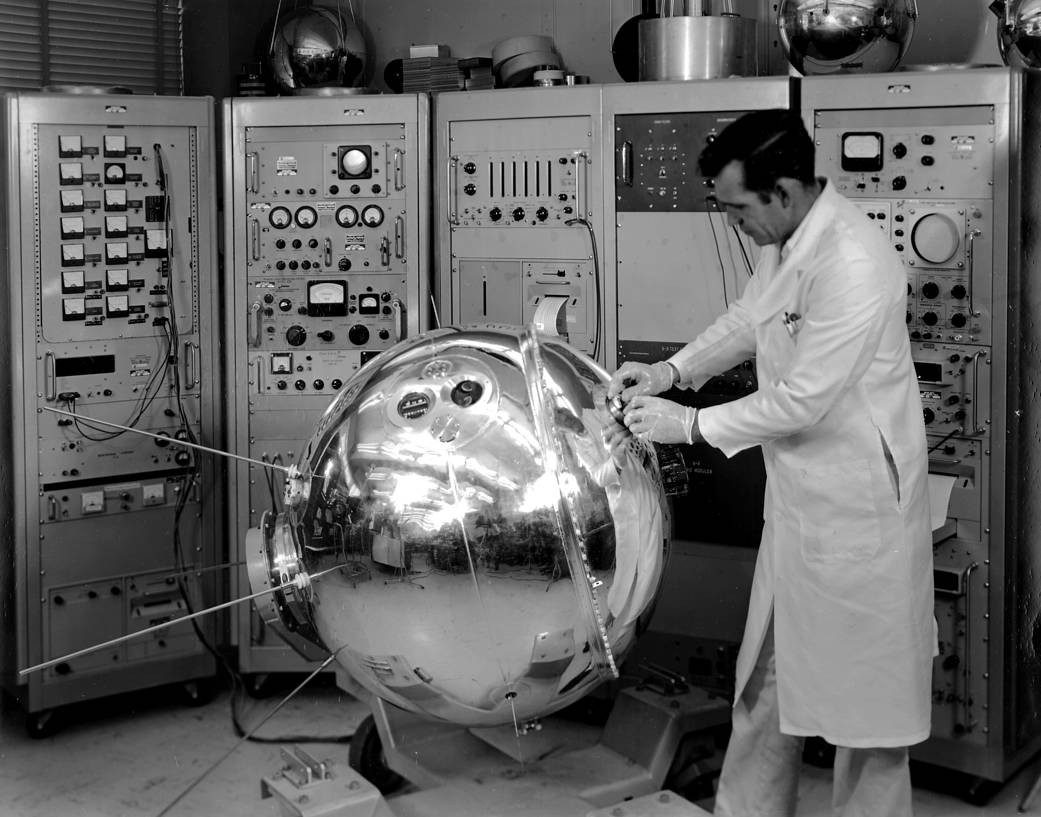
(760, 776)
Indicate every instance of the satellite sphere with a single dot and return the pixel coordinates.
(1019, 34)
(315, 47)
(845, 36)
(460, 537)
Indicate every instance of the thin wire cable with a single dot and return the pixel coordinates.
(321, 667)
(749, 268)
(722, 265)
(274, 28)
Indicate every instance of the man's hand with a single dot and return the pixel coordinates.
(632, 379)
(660, 420)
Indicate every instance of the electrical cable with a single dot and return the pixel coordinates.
(944, 439)
(189, 482)
(749, 268)
(596, 280)
(722, 265)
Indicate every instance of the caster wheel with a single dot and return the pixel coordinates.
(258, 685)
(43, 724)
(818, 752)
(366, 758)
(199, 692)
(979, 791)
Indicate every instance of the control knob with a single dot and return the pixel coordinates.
(358, 335)
(296, 335)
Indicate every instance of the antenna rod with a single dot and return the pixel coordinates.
(167, 440)
(250, 733)
(112, 642)
(122, 638)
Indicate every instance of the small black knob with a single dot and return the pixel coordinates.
(319, 384)
(336, 383)
(958, 320)
(358, 335)
(281, 385)
(899, 183)
(900, 150)
(518, 213)
(495, 214)
(958, 291)
(930, 318)
(928, 415)
(470, 168)
(470, 189)
(299, 385)
(542, 214)
(930, 290)
(326, 335)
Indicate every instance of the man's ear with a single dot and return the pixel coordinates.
(784, 189)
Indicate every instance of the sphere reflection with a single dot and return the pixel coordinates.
(1019, 34)
(840, 36)
(315, 47)
(460, 536)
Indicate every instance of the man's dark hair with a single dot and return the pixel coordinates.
(770, 145)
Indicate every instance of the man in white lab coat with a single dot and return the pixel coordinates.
(840, 636)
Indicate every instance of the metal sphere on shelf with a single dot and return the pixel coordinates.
(1019, 33)
(845, 36)
(460, 537)
(315, 47)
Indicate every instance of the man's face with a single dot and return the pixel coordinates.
(764, 222)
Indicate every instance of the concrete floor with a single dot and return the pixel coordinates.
(133, 756)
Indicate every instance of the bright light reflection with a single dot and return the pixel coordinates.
(539, 495)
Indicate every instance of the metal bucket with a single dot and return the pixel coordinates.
(677, 48)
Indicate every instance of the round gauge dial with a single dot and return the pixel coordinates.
(347, 216)
(372, 216)
(114, 173)
(306, 217)
(280, 217)
(354, 162)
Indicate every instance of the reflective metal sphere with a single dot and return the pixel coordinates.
(315, 47)
(841, 36)
(460, 537)
(1019, 34)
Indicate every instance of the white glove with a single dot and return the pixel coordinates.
(632, 379)
(660, 420)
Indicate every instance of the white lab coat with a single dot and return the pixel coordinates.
(845, 562)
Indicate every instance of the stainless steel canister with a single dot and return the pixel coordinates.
(680, 48)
